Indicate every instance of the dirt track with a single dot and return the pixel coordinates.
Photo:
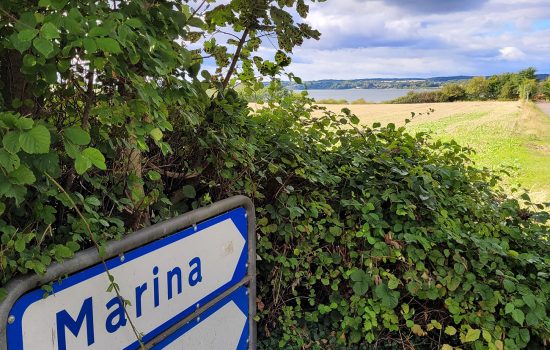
(545, 107)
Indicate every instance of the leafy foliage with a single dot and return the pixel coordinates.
(377, 235)
(90, 93)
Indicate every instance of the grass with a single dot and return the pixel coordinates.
(332, 101)
(503, 134)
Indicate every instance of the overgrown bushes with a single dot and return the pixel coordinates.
(377, 236)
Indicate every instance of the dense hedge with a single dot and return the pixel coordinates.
(375, 235)
(420, 97)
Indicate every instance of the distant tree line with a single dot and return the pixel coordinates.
(508, 86)
(375, 83)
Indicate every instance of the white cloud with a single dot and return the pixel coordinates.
(511, 53)
(370, 38)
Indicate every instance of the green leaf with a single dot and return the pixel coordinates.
(8, 161)
(509, 308)
(509, 286)
(109, 45)
(156, 134)
(393, 283)
(95, 156)
(531, 318)
(98, 32)
(450, 330)
(20, 245)
(43, 46)
(417, 329)
(518, 316)
(29, 60)
(19, 45)
(59, 4)
(361, 281)
(72, 150)
(44, 3)
(77, 135)
(22, 176)
(27, 35)
(389, 298)
(81, 164)
(11, 141)
(49, 31)
(472, 335)
(93, 201)
(530, 300)
(62, 252)
(134, 23)
(35, 141)
(27, 20)
(360, 287)
(188, 191)
(24, 123)
(357, 275)
(90, 156)
(50, 73)
(153, 175)
(524, 335)
(89, 45)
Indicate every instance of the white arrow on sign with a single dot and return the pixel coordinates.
(159, 282)
(222, 330)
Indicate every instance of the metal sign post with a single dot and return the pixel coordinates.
(188, 282)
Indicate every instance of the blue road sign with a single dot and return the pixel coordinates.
(163, 282)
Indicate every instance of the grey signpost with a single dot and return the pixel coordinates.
(189, 282)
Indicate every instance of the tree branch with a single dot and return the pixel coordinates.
(227, 33)
(196, 10)
(89, 98)
(235, 58)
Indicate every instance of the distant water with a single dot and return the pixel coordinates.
(370, 95)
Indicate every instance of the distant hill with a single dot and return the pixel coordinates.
(383, 83)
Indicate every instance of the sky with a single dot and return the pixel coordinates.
(423, 38)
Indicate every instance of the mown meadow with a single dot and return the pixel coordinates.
(510, 136)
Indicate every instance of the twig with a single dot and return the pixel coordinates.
(196, 10)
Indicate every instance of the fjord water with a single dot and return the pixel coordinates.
(369, 95)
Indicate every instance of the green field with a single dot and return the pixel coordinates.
(519, 140)
(503, 134)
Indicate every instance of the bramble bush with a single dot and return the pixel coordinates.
(376, 236)
(368, 236)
